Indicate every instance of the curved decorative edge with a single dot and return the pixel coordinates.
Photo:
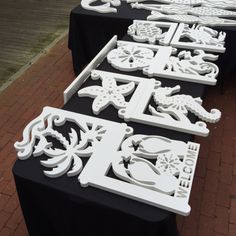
(130, 57)
(201, 37)
(139, 178)
(152, 32)
(184, 2)
(190, 19)
(224, 4)
(93, 132)
(104, 8)
(171, 111)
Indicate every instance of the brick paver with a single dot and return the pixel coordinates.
(213, 198)
(42, 84)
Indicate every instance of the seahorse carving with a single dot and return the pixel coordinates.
(179, 105)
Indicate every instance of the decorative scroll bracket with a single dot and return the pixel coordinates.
(104, 8)
(137, 177)
(152, 32)
(157, 61)
(201, 37)
(143, 181)
(168, 105)
(95, 137)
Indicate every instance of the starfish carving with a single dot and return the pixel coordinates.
(108, 93)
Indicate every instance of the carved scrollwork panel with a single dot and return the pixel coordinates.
(67, 158)
(152, 32)
(160, 61)
(199, 37)
(149, 168)
(225, 4)
(171, 111)
(105, 7)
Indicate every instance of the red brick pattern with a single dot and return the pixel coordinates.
(42, 84)
(215, 178)
(213, 198)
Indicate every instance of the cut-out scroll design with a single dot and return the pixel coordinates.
(180, 2)
(130, 58)
(186, 10)
(108, 93)
(104, 8)
(68, 158)
(225, 4)
(201, 37)
(179, 105)
(167, 9)
(165, 184)
(171, 111)
(186, 67)
(210, 11)
(160, 62)
(153, 169)
(152, 32)
(189, 19)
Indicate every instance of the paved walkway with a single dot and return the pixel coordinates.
(213, 197)
(27, 27)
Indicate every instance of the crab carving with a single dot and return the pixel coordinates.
(204, 35)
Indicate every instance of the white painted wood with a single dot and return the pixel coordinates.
(191, 19)
(167, 9)
(183, 66)
(225, 4)
(93, 133)
(121, 43)
(104, 8)
(156, 15)
(216, 21)
(186, 66)
(180, 2)
(130, 58)
(71, 89)
(201, 37)
(143, 181)
(210, 11)
(152, 32)
(168, 188)
(181, 9)
(108, 93)
(171, 111)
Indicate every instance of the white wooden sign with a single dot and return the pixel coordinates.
(159, 61)
(165, 184)
(167, 9)
(210, 11)
(180, 2)
(190, 19)
(225, 4)
(200, 37)
(149, 168)
(186, 65)
(95, 136)
(105, 7)
(152, 32)
(182, 9)
(171, 111)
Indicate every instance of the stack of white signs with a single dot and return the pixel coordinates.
(204, 12)
(149, 168)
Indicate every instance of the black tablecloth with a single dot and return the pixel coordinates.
(62, 207)
(89, 31)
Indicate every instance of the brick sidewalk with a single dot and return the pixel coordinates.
(213, 197)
